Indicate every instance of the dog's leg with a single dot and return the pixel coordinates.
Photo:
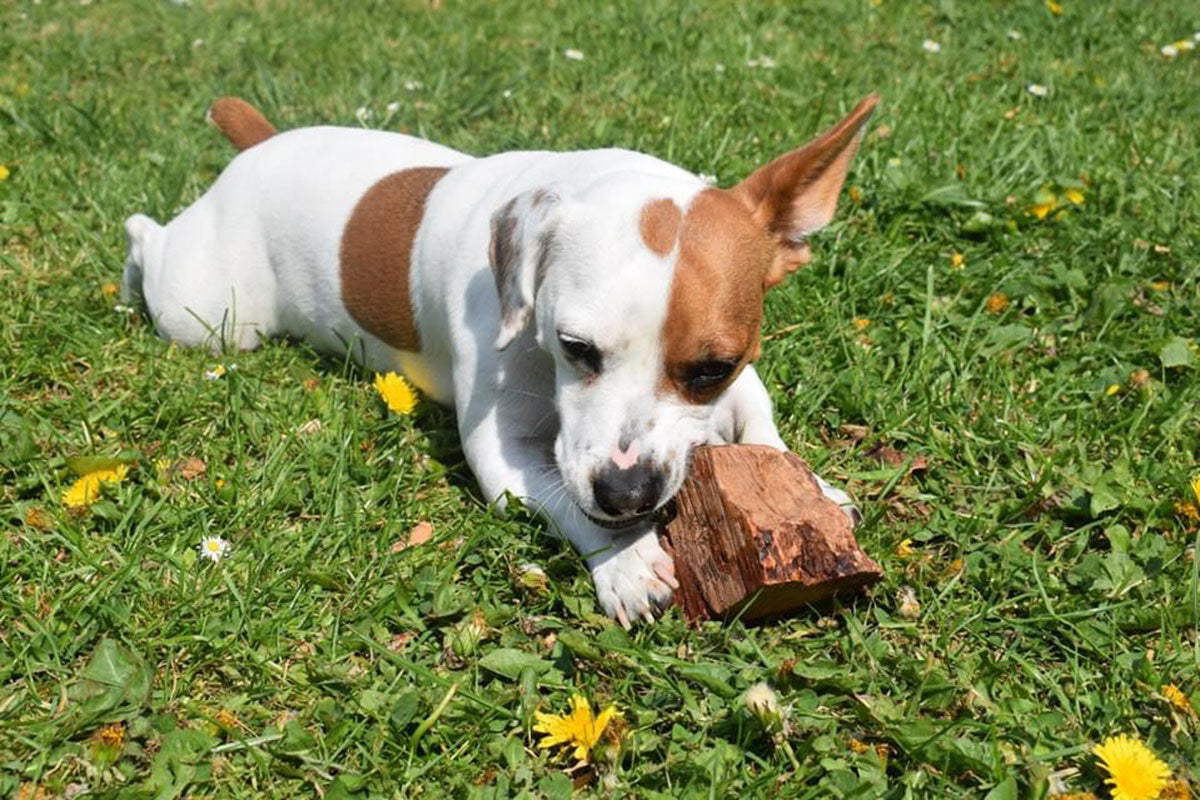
(744, 415)
(634, 576)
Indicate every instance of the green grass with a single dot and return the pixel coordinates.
(1057, 581)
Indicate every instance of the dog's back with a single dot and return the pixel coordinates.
(209, 276)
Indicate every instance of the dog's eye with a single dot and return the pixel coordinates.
(581, 353)
(708, 374)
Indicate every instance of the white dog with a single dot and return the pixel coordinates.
(592, 316)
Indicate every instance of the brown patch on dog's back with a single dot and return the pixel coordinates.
(376, 254)
(715, 306)
(659, 225)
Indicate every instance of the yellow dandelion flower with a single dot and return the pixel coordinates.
(1045, 202)
(227, 719)
(905, 549)
(1041, 210)
(1114, 388)
(1135, 773)
(396, 393)
(109, 289)
(1160, 286)
(857, 746)
(862, 323)
(855, 194)
(4, 173)
(1178, 699)
(578, 729)
(1074, 197)
(86, 490)
(957, 261)
(997, 302)
(1196, 487)
(1053, 7)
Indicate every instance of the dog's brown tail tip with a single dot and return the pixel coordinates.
(243, 125)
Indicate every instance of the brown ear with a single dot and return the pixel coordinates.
(520, 250)
(796, 194)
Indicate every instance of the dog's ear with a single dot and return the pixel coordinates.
(521, 247)
(796, 194)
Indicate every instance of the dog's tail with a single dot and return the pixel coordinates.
(243, 125)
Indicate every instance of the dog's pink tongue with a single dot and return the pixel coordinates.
(624, 459)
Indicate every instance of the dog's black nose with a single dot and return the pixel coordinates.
(626, 492)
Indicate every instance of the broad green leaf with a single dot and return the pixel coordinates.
(1004, 790)
(182, 759)
(371, 700)
(113, 678)
(556, 786)
(508, 662)
(1176, 353)
(1105, 496)
(1005, 337)
(404, 709)
(17, 443)
(711, 676)
(952, 194)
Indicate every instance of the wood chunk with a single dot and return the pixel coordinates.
(750, 521)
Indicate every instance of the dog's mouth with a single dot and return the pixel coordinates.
(661, 514)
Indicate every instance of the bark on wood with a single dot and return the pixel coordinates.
(753, 535)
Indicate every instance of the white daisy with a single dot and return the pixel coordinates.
(572, 54)
(393, 106)
(1037, 90)
(362, 114)
(1015, 35)
(1169, 50)
(413, 86)
(931, 46)
(213, 548)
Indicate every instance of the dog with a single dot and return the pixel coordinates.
(592, 316)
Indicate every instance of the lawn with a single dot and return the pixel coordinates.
(994, 349)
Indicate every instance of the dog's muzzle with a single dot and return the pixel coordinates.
(628, 494)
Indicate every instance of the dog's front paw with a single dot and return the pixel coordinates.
(634, 578)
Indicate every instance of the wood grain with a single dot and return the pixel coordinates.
(753, 535)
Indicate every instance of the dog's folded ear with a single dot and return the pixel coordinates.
(520, 251)
(796, 194)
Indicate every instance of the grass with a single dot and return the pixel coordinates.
(1055, 572)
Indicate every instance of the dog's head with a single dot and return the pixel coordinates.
(649, 295)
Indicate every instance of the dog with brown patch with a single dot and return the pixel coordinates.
(592, 316)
